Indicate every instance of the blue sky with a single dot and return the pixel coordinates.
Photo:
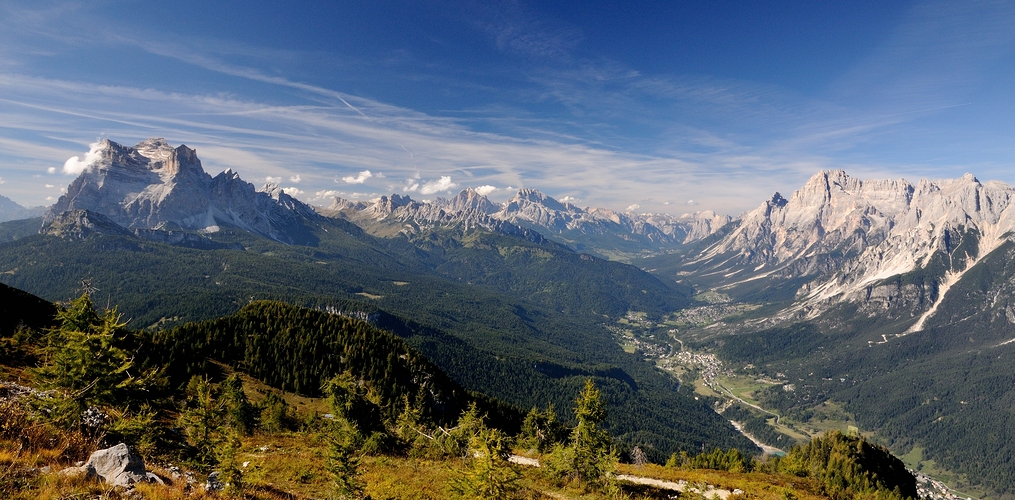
(668, 106)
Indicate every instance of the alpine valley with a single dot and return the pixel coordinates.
(884, 305)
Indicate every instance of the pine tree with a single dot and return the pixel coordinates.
(589, 457)
(240, 414)
(593, 456)
(343, 464)
(276, 414)
(638, 456)
(491, 475)
(87, 357)
(541, 430)
(201, 417)
(455, 442)
(228, 466)
(409, 429)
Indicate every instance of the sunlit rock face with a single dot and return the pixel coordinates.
(154, 185)
(532, 209)
(851, 235)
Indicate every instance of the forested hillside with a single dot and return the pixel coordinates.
(487, 337)
(396, 426)
(297, 350)
(19, 309)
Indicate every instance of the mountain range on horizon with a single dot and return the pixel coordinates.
(11, 210)
(829, 294)
(845, 235)
(154, 186)
(836, 241)
(849, 238)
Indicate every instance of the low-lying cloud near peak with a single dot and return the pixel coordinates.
(485, 190)
(75, 165)
(437, 186)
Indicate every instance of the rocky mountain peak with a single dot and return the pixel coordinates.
(530, 210)
(385, 206)
(469, 199)
(777, 201)
(153, 183)
(849, 233)
(532, 196)
(341, 204)
(152, 144)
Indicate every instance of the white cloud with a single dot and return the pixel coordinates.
(634, 207)
(569, 199)
(691, 202)
(442, 184)
(411, 184)
(666, 203)
(49, 198)
(292, 191)
(485, 190)
(272, 180)
(295, 179)
(359, 179)
(2, 180)
(50, 186)
(327, 194)
(51, 170)
(75, 165)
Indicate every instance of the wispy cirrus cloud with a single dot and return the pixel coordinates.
(625, 136)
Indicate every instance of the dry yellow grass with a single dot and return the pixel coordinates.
(293, 466)
(754, 484)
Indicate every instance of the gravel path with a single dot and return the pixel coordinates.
(680, 486)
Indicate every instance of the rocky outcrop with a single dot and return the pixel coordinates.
(182, 239)
(153, 184)
(118, 466)
(81, 224)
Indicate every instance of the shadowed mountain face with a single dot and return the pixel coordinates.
(10, 210)
(155, 186)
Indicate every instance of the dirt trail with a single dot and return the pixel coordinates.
(679, 486)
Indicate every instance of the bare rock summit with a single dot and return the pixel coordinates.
(153, 186)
